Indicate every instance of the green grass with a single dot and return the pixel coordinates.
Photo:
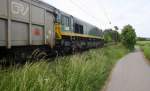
(145, 46)
(142, 43)
(82, 72)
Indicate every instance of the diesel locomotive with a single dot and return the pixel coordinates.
(27, 25)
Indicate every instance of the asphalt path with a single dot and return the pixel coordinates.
(131, 73)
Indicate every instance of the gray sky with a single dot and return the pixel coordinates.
(100, 12)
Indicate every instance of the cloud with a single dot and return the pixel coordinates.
(100, 12)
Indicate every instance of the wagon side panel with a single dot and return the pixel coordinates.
(37, 35)
(20, 10)
(37, 15)
(3, 8)
(19, 33)
(3, 32)
(26, 22)
(50, 29)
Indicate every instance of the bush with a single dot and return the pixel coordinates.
(128, 37)
(111, 35)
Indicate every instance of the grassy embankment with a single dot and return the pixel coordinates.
(81, 72)
(145, 46)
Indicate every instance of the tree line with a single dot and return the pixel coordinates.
(127, 36)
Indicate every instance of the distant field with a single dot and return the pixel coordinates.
(145, 46)
(81, 72)
(143, 42)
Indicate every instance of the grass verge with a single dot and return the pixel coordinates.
(81, 72)
(145, 46)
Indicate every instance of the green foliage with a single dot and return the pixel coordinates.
(111, 36)
(81, 72)
(142, 43)
(146, 50)
(145, 46)
(128, 37)
(108, 37)
(141, 39)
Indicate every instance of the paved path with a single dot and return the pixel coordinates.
(132, 73)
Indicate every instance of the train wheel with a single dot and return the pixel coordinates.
(8, 60)
(74, 50)
(38, 55)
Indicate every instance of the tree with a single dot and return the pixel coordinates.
(141, 39)
(128, 37)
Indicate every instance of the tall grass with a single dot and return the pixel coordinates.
(145, 46)
(81, 72)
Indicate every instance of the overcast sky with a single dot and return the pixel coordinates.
(101, 12)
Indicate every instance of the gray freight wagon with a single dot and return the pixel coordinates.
(26, 22)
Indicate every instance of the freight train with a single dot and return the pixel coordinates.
(27, 25)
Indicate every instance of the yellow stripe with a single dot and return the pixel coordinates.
(58, 31)
(79, 35)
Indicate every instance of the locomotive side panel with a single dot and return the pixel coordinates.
(88, 29)
(92, 30)
(79, 26)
